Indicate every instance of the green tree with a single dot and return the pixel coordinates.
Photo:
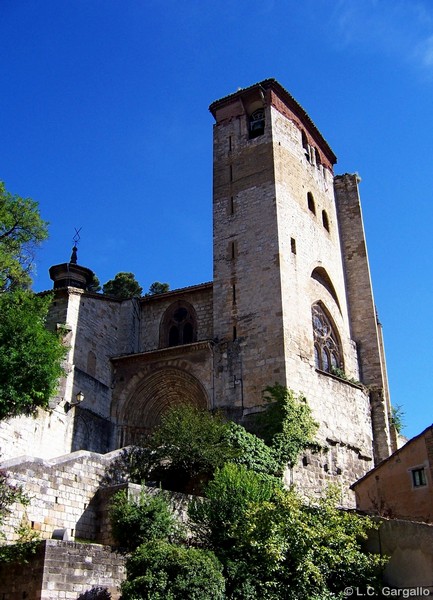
(273, 544)
(157, 568)
(219, 520)
(123, 286)
(94, 285)
(188, 445)
(305, 550)
(30, 354)
(158, 288)
(21, 231)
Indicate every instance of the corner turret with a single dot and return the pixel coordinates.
(71, 274)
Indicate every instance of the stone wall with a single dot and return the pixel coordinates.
(409, 547)
(153, 308)
(364, 323)
(63, 570)
(178, 503)
(62, 494)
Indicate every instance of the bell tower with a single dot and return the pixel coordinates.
(282, 310)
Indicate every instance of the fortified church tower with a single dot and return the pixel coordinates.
(291, 302)
(292, 287)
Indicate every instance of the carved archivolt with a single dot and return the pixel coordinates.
(154, 395)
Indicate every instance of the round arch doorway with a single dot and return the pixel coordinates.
(153, 396)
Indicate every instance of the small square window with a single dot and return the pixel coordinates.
(418, 477)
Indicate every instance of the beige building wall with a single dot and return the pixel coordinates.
(391, 489)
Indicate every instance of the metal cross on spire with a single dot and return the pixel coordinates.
(75, 239)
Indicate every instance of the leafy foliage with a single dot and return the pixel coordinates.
(94, 285)
(163, 571)
(123, 286)
(397, 417)
(27, 538)
(158, 288)
(251, 451)
(287, 425)
(30, 355)
(136, 521)
(304, 550)
(272, 545)
(190, 443)
(21, 231)
(187, 447)
(229, 495)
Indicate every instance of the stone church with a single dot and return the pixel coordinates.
(291, 302)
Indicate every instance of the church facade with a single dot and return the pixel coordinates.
(291, 302)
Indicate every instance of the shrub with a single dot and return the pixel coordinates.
(135, 521)
(229, 495)
(303, 551)
(251, 451)
(287, 425)
(161, 571)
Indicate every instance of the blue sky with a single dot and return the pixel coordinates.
(104, 121)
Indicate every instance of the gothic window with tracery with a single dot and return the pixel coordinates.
(327, 353)
(178, 325)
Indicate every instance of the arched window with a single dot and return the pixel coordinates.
(311, 203)
(325, 220)
(327, 353)
(178, 325)
(257, 123)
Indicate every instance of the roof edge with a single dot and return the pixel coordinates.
(275, 86)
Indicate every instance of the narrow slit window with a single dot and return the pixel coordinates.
(325, 220)
(311, 203)
(306, 146)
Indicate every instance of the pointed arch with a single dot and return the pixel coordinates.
(320, 275)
